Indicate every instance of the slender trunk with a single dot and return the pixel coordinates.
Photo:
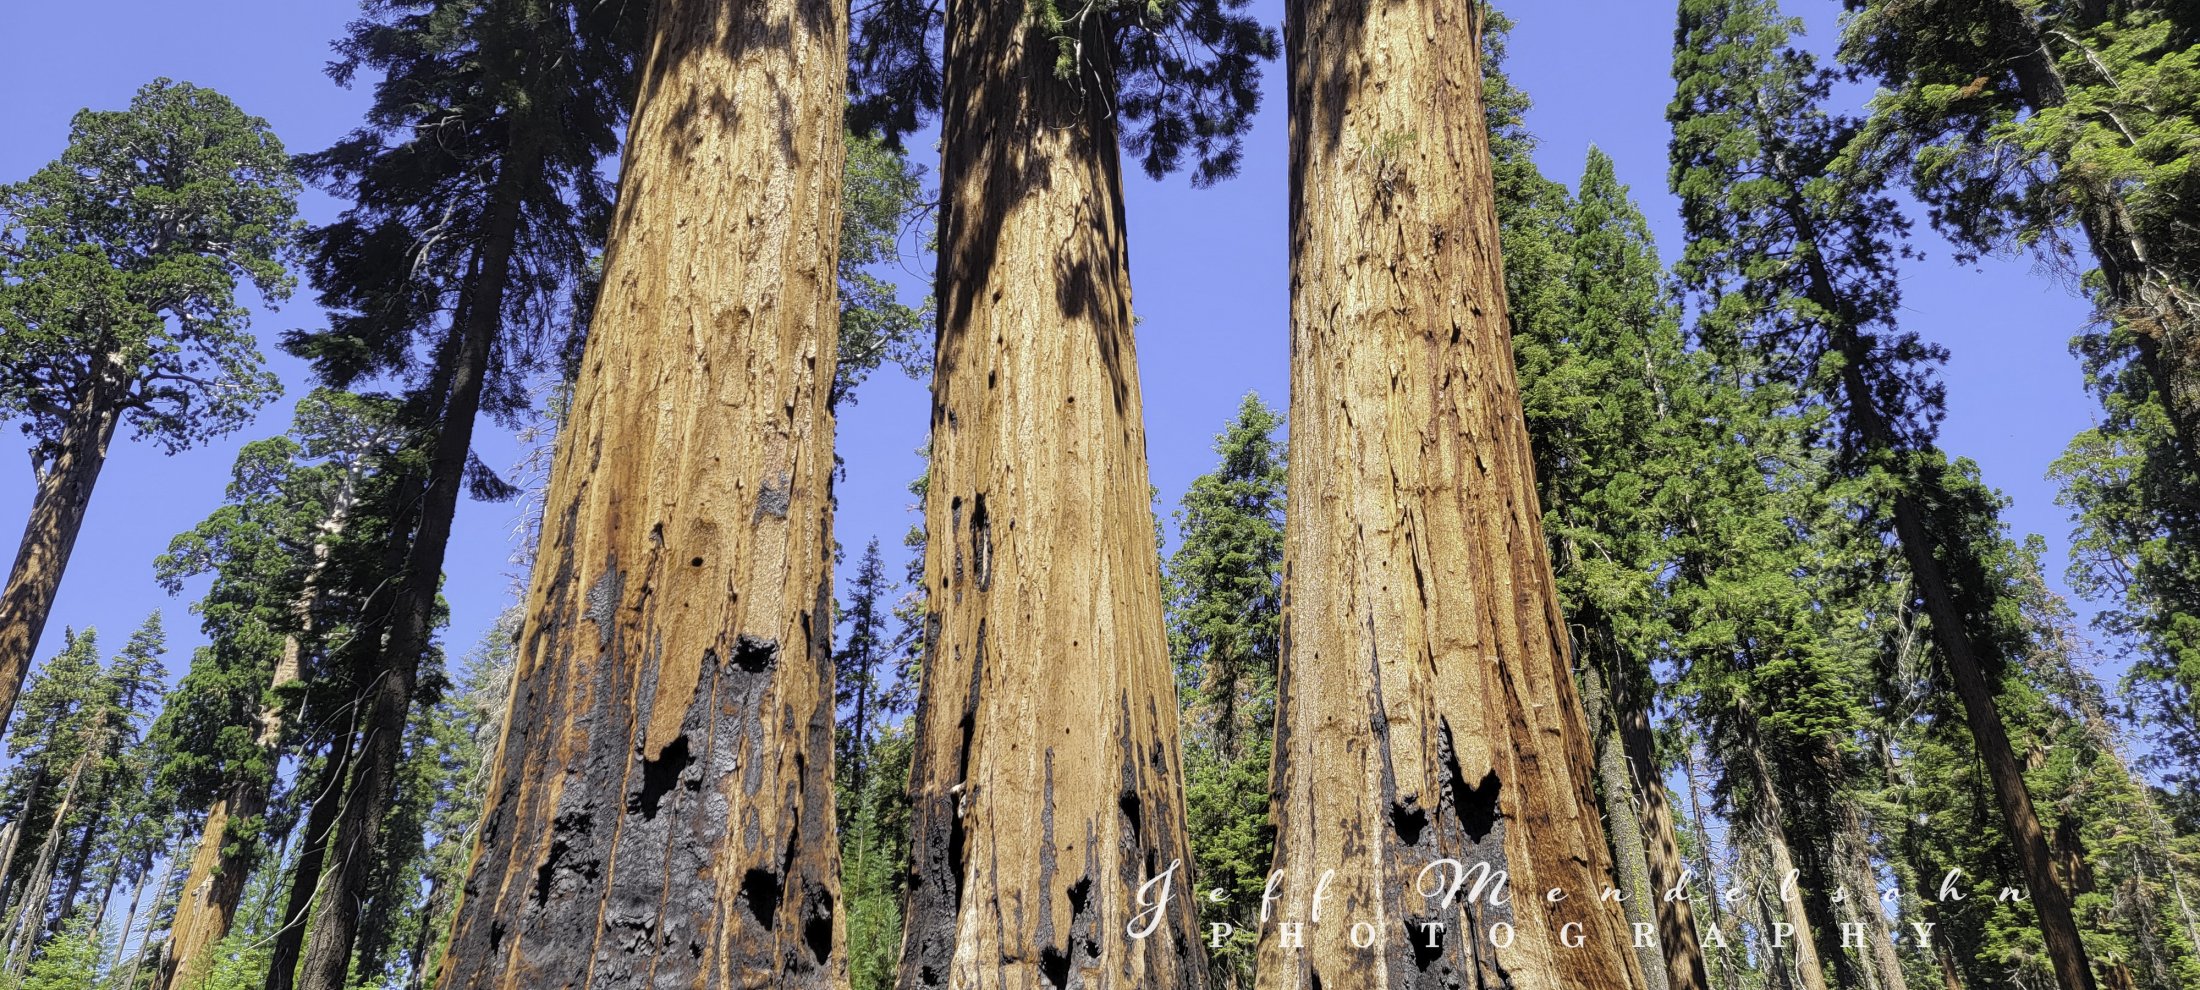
(76, 868)
(660, 811)
(129, 924)
(859, 754)
(1684, 962)
(305, 877)
(1772, 833)
(1852, 850)
(30, 913)
(1950, 626)
(11, 837)
(1427, 710)
(1730, 980)
(412, 623)
(221, 864)
(160, 890)
(63, 494)
(1625, 828)
(1048, 781)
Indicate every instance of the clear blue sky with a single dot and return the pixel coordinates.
(1208, 272)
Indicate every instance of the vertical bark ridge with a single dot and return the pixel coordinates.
(1429, 711)
(660, 809)
(1047, 782)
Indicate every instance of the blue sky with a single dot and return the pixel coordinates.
(1207, 267)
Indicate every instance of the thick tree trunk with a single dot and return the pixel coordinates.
(1625, 828)
(1427, 710)
(660, 811)
(1047, 781)
(305, 877)
(220, 865)
(1676, 915)
(58, 505)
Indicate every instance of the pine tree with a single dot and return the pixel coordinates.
(859, 680)
(129, 248)
(2036, 125)
(1605, 382)
(477, 206)
(680, 654)
(1756, 164)
(1225, 595)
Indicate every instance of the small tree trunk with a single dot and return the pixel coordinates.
(1852, 853)
(1633, 866)
(1771, 828)
(30, 912)
(57, 512)
(129, 924)
(1684, 962)
(1729, 978)
(1427, 710)
(76, 868)
(305, 877)
(660, 811)
(1950, 626)
(1048, 780)
(160, 890)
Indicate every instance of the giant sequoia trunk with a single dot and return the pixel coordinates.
(1427, 710)
(58, 505)
(660, 810)
(1047, 782)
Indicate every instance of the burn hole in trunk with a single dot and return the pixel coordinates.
(754, 654)
(817, 926)
(760, 889)
(1408, 818)
(659, 776)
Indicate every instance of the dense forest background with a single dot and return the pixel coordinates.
(1737, 497)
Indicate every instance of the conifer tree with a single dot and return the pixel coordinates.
(119, 269)
(1606, 382)
(1803, 254)
(476, 208)
(282, 586)
(2065, 128)
(1225, 595)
